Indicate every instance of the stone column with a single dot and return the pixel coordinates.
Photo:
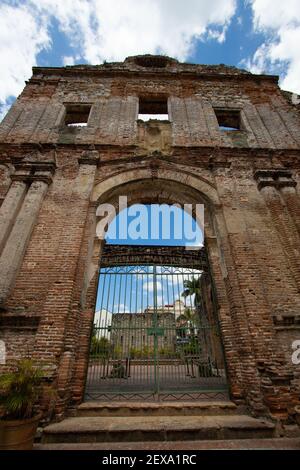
(62, 304)
(292, 202)
(269, 183)
(18, 239)
(279, 384)
(229, 234)
(10, 208)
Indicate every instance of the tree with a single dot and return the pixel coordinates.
(191, 319)
(189, 315)
(99, 346)
(193, 287)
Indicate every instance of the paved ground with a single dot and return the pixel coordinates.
(142, 378)
(241, 444)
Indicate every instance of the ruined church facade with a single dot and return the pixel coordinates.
(73, 140)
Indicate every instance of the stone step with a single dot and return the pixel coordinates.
(96, 408)
(230, 444)
(156, 428)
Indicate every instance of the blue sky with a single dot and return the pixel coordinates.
(120, 292)
(259, 35)
(130, 289)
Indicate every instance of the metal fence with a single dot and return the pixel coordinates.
(155, 335)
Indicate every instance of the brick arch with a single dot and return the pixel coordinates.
(194, 189)
(149, 191)
(205, 188)
(172, 186)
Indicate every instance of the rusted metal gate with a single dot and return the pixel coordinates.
(156, 334)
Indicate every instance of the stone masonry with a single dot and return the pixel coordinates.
(54, 174)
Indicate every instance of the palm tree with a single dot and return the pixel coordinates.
(189, 315)
(185, 321)
(193, 287)
(191, 319)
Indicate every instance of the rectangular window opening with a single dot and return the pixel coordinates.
(77, 115)
(228, 119)
(153, 108)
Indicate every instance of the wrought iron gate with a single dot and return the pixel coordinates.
(155, 330)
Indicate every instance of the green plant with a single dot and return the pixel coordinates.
(147, 352)
(117, 352)
(144, 353)
(19, 390)
(100, 347)
(193, 287)
(192, 347)
(134, 353)
(167, 351)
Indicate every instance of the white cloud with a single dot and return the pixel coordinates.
(121, 308)
(280, 53)
(101, 30)
(149, 286)
(111, 30)
(68, 60)
(22, 36)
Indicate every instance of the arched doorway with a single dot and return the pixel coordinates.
(168, 346)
